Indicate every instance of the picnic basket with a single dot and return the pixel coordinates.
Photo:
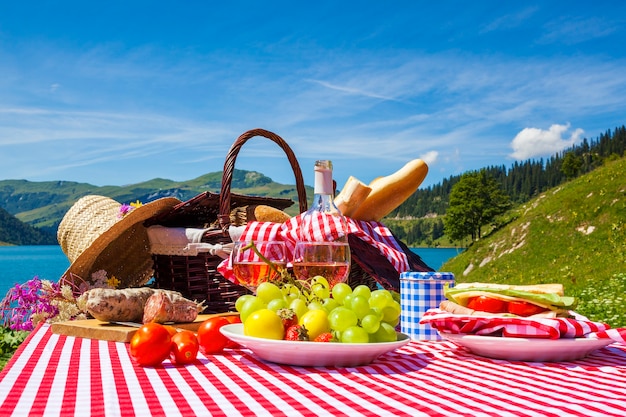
(196, 277)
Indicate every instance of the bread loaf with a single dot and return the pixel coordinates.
(264, 213)
(353, 193)
(391, 191)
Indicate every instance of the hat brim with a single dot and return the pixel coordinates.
(123, 251)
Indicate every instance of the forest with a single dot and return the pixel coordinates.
(418, 221)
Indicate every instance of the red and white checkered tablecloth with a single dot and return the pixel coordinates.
(60, 375)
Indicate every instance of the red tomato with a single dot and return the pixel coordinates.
(484, 303)
(210, 338)
(522, 308)
(171, 329)
(232, 320)
(184, 347)
(150, 345)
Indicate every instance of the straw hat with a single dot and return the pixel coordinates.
(95, 235)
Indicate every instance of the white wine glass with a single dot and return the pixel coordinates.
(328, 259)
(250, 262)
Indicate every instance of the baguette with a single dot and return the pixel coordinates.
(391, 191)
(353, 193)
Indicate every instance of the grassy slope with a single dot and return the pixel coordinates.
(574, 234)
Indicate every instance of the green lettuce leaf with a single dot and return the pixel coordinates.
(554, 300)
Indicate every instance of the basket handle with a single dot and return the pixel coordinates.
(229, 167)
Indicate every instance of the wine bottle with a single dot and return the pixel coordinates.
(323, 221)
(323, 248)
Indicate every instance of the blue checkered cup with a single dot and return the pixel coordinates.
(419, 292)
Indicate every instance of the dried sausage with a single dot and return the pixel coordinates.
(128, 304)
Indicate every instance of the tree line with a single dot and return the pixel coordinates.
(519, 183)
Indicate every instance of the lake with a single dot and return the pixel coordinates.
(18, 264)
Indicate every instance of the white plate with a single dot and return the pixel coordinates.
(531, 350)
(312, 353)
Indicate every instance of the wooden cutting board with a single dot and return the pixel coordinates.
(103, 330)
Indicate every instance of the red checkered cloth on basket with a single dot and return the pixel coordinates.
(323, 227)
(545, 328)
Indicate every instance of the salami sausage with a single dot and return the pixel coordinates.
(163, 307)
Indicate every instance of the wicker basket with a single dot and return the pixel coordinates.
(196, 277)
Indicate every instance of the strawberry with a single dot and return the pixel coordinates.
(296, 333)
(288, 316)
(324, 337)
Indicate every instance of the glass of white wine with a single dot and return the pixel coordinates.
(328, 259)
(251, 262)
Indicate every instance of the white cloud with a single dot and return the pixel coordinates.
(573, 30)
(510, 21)
(533, 142)
(430, 157)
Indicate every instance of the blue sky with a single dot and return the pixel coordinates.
(120, 92)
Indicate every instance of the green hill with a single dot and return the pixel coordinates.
(574, 234)
(15, 232)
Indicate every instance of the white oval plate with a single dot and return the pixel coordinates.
(530, 350)
(312, 353)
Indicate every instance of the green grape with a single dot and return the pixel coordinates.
(268, 291)
(341, 318)
(290, 291)
(362, 290)
(340, 291)
(241, 301)
(391, 312)
(318, 279)
(276, 304)
(315, 305)
(376, 313)
(359, 305)
(330, 304)
(299, 306)
(380, 298)
(319, 290)
(347, 300)
(393, 323)
(354, 334)
(250, 306)
(386, 333)
(370, 323)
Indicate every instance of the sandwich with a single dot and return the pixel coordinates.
(485, 299)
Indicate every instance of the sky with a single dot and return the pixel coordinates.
(120, 92)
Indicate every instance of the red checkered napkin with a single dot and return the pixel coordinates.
(323, 227)
(545, 328)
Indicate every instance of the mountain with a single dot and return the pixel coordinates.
(16, 232)
(573, 234)
(43, 204)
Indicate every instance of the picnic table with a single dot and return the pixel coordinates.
(52, 374)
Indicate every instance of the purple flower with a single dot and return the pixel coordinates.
(22, 301)
(124, 210)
